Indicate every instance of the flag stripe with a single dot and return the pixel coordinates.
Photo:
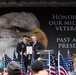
(62, 65)
(52, 65)
(62, 71)
(53, 73)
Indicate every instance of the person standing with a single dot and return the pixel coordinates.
(74, 66)
(13, 68)
(21, 50)
(36, 46)
(37, 68)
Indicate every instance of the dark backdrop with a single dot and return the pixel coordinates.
(44, 15)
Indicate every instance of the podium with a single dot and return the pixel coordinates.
(45, 58)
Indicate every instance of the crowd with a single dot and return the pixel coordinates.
(37, 66)
(14, 68)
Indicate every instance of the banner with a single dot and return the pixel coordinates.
(55, 27)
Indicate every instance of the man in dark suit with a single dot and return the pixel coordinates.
(21, 50)
(36, 46)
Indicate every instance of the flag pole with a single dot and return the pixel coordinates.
(4, 60)
(67, 52)
(49, 61)
(58, 62)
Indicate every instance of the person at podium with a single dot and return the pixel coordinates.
(36, 45)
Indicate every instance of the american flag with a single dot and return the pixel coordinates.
(6, 60)
(52, 65)
(62, 65)
(14, 56)
(23, 66)
(70, 65)
(32, 59)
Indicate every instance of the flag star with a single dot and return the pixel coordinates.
(52, 65)
(23, 66)
(7, 60)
